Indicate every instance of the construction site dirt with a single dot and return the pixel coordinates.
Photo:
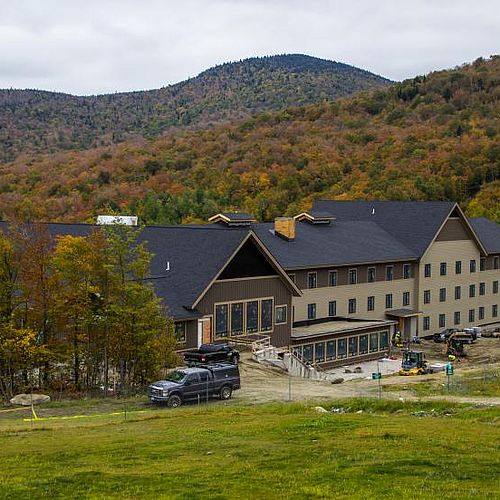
(262, 383)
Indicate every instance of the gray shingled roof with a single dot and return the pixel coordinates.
(488, 232)
(195, 255)
(335, 244)
(413, 223)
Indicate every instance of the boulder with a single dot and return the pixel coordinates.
(337, 380)
(27, 399)
(320, 409)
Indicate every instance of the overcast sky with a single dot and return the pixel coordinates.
(98, 46)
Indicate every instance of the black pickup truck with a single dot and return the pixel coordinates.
(212, 353)
(196, 384)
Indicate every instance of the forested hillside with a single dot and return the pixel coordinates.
(38, 121)
(435, 137)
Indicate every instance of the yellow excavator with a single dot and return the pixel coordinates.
(413, 363)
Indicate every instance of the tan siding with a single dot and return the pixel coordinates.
(449, 252)
(361, 292)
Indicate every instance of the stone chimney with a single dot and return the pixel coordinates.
(284, 227)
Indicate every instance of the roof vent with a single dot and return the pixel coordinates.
(125, 220)
(315, 217)
(233, 218)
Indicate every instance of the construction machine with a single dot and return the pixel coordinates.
(455, 343)
(413, 363)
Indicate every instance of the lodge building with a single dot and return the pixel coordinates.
(334, 283)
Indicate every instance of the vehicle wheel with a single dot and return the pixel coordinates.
(174, 401)
(226, 392)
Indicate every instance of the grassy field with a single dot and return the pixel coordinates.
(267, 451)
(474, 383)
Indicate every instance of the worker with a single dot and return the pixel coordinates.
(451, 358)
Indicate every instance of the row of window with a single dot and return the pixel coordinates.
(443, 266)
(251, 316)
(458, 292)
(352, 305)
(457, 317)
(330, 350)
(352, 276)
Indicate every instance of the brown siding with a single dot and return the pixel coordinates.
(453, 230)
(191, 335)
(343, 274)
(247, 289)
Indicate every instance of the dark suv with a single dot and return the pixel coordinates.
(196, 384)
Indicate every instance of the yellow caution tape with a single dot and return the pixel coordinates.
(16, 409)
(86, 416)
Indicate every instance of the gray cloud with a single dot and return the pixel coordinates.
(101, 46)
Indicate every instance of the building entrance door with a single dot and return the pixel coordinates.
(204, 331)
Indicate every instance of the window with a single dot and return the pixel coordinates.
(332, 278)
(353, 346)
(472, 290)
(370, 275)
(342, 348)
(180, 332)
(221, 320)
(373, 342)
(266, 315)
(496, 262)
(311, 311)
(319, 352)
(384, 341)
(482, 264)
(307, 353)
(428, 270)
(481, 313)
(427, 296)
(388, 301)
(352, 306)
(280, 315)
(406, 298)
(332, 308)
(482, 288)
(427, 323)
(458, 292)
(389, 273)
(472, 315)
(495, 287)
(442, 295)
(494, 310)
(331, 350)
(442, 320)
(252, 316)
(237, 318)
(370, 305)
(363, 344)
(472, 266)
(312, 279)
(353, 276)
(442, 269)
(458, 267)
(292, 277)
(456, 318)
(407, 271)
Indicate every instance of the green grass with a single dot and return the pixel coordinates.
(266, 451)
(475, 383)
